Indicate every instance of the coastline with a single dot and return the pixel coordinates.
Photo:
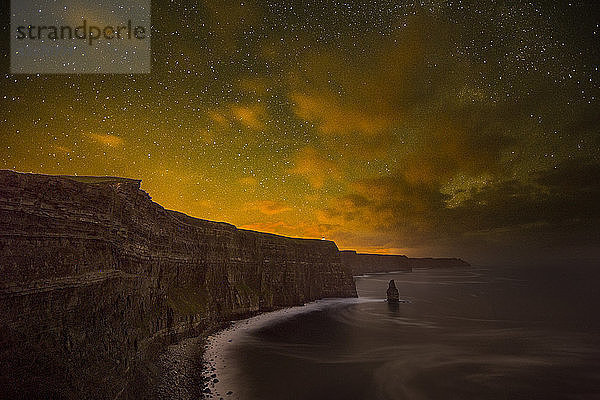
(216, 377)
(446, 320)
(200, 367)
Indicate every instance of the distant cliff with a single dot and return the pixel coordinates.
(360, 263)
(95, 278)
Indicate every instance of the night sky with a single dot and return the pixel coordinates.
(427, 128)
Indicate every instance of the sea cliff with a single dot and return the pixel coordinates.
(360, 263)
(96, 279)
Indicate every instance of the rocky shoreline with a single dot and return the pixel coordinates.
(179, 371)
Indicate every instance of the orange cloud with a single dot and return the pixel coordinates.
(248, 181)
(107, 140)
(311, 165)
(332, 117)
(250, 116)
(63, 149)
(269, 227)
(352, 212)
(347, 98)
(305, 230)
(218, 118)
(268, 207)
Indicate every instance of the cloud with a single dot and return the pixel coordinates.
(268, 207)
(375, 89)
(63, 149)
(248, 181)
(407, 99)
(503, 219)
(252, 116)
(334, 117)
(391, 204)
(306, 230)
(107, 139)
(218, 117)
(314, 167)
(422, 152)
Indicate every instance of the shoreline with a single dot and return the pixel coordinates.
(196, 367)
(218, 380)
(199, 367)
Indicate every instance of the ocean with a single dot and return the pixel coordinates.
(469, 333)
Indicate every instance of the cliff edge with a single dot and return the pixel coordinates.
(95, 278)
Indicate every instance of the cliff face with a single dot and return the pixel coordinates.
(360, 263)
(95, 277)
(437, 262)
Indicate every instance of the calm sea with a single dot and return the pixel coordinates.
(473, 333)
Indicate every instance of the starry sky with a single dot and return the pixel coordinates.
(427, 128)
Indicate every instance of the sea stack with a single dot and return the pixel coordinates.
(392, 293)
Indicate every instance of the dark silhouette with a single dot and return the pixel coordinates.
(392, 293)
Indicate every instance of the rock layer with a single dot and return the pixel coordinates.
(95, 278)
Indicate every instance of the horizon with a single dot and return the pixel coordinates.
(439, 129)
(590, 261)
(224, 222)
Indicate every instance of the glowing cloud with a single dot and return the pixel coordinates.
(107, 140)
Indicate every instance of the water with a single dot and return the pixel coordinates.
(469, 333)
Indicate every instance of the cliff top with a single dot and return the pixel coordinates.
(134, 184)
(354, 252)
(76, 178)
(101, 179)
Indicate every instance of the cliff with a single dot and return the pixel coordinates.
(360, 263)
(95, 278)
(437, 262)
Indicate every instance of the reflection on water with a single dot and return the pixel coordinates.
(459, 334)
